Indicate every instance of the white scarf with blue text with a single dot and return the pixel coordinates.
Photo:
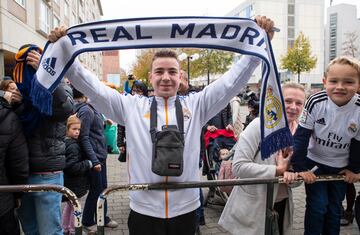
(230, 34)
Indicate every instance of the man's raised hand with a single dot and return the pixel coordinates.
(57, 33)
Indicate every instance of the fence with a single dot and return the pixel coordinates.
(50, 188)
(203, 184)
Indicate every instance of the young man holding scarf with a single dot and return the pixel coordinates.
(163, 211)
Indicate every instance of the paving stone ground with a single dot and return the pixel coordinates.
(118, 206)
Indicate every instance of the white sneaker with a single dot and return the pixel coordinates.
(112, 224)
(90, 230)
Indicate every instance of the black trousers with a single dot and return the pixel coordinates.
(9, 224)
(280, 209)
(140, 224)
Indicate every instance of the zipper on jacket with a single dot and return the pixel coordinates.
(166, 177)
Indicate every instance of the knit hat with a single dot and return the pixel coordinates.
(73, 119)
(23, 73)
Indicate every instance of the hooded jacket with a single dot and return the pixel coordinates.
(92, 138)
(14, 155)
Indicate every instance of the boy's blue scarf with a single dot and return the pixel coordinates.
(231, 34)
(23, 75)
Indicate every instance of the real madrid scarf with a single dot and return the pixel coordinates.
(231, 34)
(23, 75)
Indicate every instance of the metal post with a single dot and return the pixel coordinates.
(198, 184)
(100, 212)
(269, 207)
(188, 65)
(50, 188)
(208, 76)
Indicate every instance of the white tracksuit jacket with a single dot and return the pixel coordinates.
(134, 113)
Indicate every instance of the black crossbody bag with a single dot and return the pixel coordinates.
(168, 144)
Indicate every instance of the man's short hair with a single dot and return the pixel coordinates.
(77, 94)
(345, 60)
(293, 85)
(4, 85)
(164, 53)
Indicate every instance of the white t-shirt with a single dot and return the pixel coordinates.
(333, 128)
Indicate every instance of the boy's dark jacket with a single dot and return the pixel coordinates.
(76, 169)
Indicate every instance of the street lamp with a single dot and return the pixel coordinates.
(192, 57)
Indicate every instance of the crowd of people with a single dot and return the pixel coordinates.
(69, 147)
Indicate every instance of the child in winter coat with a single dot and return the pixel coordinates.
(75, 172)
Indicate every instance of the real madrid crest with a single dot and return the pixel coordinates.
(352, 127)
(273, 109)
(187, 114)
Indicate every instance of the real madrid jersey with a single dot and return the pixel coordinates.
(332, 127)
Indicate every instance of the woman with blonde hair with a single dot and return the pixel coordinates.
(245, 210)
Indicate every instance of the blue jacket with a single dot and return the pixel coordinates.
(92, 139)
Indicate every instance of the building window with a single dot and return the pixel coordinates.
(291, 9)
(333, 36)
(291, 43)
(44, 17)
(21, 2)
(291, 33)
(73, 19)
(56, 21)
(247, 12)
(113, 78)
(66, 9)
(291, 23)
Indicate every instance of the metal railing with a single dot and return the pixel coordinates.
(50, 188)
(203, 184)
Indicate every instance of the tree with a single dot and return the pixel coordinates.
(141, 66)
(298, 58)
(210, 61)
(349, 47)
(213, 61)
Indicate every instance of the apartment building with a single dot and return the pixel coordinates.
(291, 16)
(30, 21)
(111, 67)
(342, 29)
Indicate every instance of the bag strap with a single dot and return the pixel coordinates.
(153, 118)
(179, 116)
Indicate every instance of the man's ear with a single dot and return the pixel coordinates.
(149, 76)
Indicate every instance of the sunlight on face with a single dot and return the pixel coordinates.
(294, 103)
(165, 76)
(341, 83)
